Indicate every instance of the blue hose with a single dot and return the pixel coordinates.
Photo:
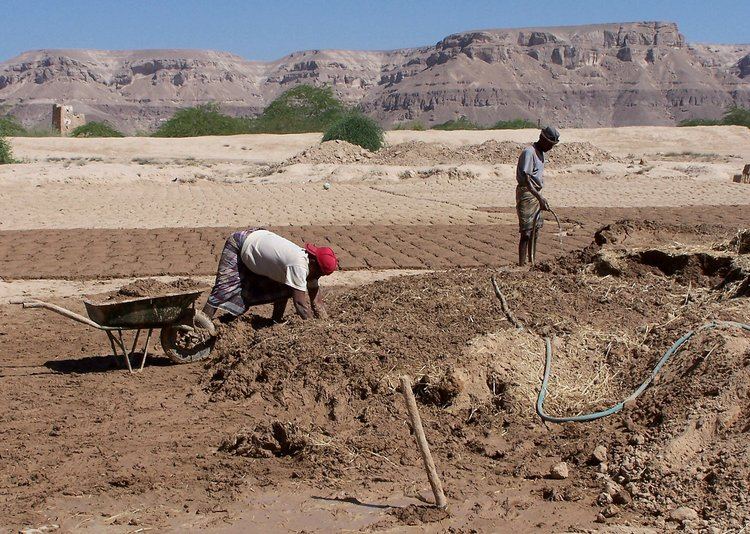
(619, 406)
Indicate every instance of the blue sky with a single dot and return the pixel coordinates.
(272, 28)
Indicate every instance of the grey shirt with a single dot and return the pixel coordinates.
(530, 163)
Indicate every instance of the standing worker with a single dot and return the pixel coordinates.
(529, 200)
(260, 267)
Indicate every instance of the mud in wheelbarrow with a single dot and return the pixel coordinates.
(187, 335)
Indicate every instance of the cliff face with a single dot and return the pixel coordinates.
(598, 75)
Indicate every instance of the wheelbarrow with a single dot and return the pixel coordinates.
(187, 335)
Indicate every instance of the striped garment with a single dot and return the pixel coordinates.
(237, 288)
(527, 206)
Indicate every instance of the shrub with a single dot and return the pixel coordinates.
(459, 124)
(10, 127)
(414, 125)
(96, 129)
(699, 122)
(40, 131)
(737, 116)
(515, 124)
(205, 119)
(6, 154)
(734, 115)
(356, 129)
(301, 109)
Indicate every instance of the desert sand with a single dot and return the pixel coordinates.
(88, 447)
(242, 180)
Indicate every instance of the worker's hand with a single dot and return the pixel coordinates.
(543, 204)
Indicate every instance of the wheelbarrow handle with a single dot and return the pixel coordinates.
(64, 312)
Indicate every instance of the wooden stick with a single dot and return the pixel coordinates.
(66, 313)
(424, 448)
(504, 305)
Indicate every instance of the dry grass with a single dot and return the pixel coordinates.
(582, 377)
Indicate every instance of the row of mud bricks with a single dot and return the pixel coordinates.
(743, 178)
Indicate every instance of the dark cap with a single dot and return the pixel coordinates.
(551, 134)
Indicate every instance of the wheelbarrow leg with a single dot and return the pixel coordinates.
(119, 341)
(112, 344)
(124, 350)
(135, 341)
(145, 348)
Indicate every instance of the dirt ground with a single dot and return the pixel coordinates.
(300, 427)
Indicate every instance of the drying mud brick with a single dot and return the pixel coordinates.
(100, 253)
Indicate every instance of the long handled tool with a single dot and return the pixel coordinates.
(535, 230)
(424, 448)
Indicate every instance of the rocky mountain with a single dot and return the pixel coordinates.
(596, 75)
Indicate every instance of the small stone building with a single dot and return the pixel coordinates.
(64, 120)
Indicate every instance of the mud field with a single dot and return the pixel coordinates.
(300, 427)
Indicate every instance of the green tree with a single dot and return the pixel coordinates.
(96, 129)
(205, 119)
(733, 115)
(358, 129)
(6, 154)
(10, 127)
(413, 125)
(303, 108)
(700, 122)
(458, 124)
(515, 124)
(736, 115)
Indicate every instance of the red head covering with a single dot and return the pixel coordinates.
(325, 257)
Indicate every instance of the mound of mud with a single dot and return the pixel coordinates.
(279, 439)
(417, 515)
(336, 151)
(496, 152)
(148, 287)
(331, 387)
(739, 243)
(420, 153)
(572, 153)
(688, 254)
(450, 173)
(693, 444)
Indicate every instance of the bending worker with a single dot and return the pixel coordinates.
(529, 199)
(260, 267)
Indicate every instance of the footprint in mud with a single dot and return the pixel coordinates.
(417, 515)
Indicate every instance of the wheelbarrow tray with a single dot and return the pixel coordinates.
(141, 312)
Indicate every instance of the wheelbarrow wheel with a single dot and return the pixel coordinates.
(186, 347)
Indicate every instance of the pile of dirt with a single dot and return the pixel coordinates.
(626, 249)
(335, 383)
(417, 515)
(148, 287)
(572, 153)
(420, 153)
(450, 173)
(335, 151)
(633, 233)
(495, 152)
(739, 243)
(278, 439)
